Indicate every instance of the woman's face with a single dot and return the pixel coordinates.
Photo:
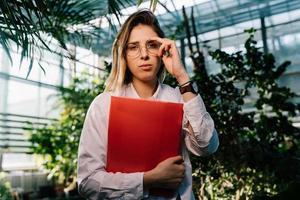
(141, 57)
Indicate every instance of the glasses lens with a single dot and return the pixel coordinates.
(132, 50)
(153, 47)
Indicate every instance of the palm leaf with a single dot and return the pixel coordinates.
(27, 22)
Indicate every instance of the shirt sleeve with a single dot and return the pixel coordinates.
(201, 137)
(94, 182)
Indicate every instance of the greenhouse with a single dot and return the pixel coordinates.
(235, 67)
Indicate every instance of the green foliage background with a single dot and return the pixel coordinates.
(5, 188)
(58, 142)
(259, 151)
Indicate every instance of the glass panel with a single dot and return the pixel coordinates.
(52, 75)
(1, 59)
(18, 161)
(21, 71)
(50, 62)
(22, 98)
(67, 78)
(87, 60)
(48, 100)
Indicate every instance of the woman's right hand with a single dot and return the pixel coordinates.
(167, 174)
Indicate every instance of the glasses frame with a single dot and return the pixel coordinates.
(140, 48)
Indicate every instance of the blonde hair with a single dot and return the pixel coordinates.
(120, 73)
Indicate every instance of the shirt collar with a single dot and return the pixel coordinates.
(133, 93)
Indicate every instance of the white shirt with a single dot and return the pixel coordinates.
(95, 183)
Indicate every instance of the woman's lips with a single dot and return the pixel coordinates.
(145, 66)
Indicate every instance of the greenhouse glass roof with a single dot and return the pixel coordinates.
(209, 15)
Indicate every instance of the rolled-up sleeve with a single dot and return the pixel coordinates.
(201, 137)
(94, 182)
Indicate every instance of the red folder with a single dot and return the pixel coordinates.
(141, 134)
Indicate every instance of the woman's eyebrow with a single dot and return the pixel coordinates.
(137, 42)
(150, 40)
(134, 42)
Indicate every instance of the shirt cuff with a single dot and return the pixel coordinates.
(135, 186)
(145, 190)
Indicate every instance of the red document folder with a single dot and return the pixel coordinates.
(142, 133)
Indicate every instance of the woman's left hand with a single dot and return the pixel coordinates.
(172, 61)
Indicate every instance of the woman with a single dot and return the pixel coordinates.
(141, 55)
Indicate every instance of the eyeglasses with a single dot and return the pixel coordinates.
(133, 50)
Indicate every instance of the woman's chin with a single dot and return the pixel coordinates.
(149, 78)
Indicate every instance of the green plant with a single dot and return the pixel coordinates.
(5, 189)
(33, 25)
(259, 151)
(58, 142)
(264, 141)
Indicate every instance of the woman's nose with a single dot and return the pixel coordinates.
(144, 53)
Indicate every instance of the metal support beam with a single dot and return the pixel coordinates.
(4, 67)
(264, 34)
(61, 70)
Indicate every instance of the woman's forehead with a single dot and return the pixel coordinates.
(141, 33)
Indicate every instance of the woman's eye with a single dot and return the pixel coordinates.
(153, 45)
(133, 47)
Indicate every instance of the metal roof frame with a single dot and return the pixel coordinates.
(209, 16)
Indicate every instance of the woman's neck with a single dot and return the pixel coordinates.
(145, 89)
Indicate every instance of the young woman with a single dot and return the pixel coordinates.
(141, 55)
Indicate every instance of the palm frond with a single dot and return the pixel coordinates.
(28, 23)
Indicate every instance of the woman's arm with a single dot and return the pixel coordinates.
(94, 181)
(201, 137)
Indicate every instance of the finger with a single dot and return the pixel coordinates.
(177, 159)
(161, 40)
(161, 50)
(167, 46)
(178, 181)
(183, 173)
(170, 43)
(181, 167)
(179, 172)
(165, 50)
(180, 175)
(164, 41)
